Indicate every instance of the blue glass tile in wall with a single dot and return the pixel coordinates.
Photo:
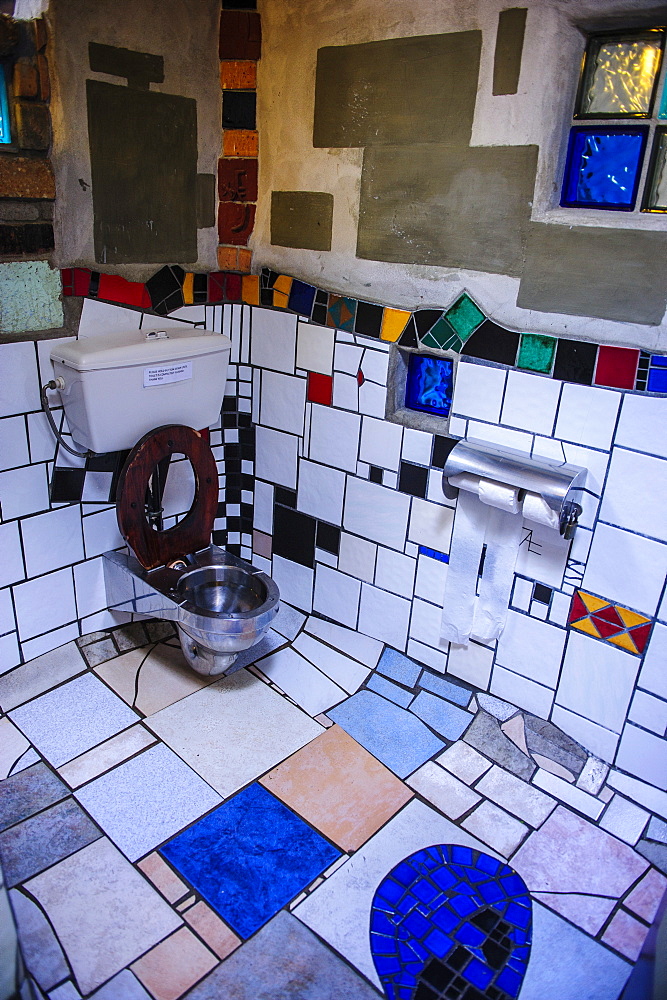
(662, 113)
(5, 128)
(603, 167)
(429, 385)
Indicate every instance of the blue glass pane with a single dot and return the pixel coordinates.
(662, 113)
(603, 167)
(657, 380)
(429, 384)
(5, 130)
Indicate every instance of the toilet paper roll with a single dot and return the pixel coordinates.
(535, 508)
(490, 492)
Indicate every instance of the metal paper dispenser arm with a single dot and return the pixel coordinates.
(558, 484)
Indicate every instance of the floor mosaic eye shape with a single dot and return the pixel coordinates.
(620, 626)
(451, 923)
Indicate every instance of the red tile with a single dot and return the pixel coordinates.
(610, 615)
(360, 378)
(240, 34)
(616, 367)
(216, 286)
(320, 388)
(577, 609)
(67, 279)
(81, 280)
(640, 636)
(234, 283)
(129, 293)
(605, 628)
(237, 179)
(235, 222)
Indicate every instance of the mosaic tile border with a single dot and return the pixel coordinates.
(602, 619)
(461, 328)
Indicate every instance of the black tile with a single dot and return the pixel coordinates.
(121, 459)
(247, 482)
(246, 511)
(409, 336)
(575, 361)
(247, 435)
(294, 535)
(18, 240)
(232, 450)
(232, 495)
(220, 538)
(441, 449)
(542, 593)
(174, 301)
(103, 462)
(234, 524)
(200, 289)
(234, 550)
(268, 277)
(375, 474)
(424, 320)
(229, 404)
(239, 4)
(163, 284)
(67, 485)
(239, 109)
(413, 479)
(285, 497)
(320, 314)
(244, 420)
(222, 508)
(266, 296)
(233, 466)
(492, 343)
(368, 320)
(328, 537)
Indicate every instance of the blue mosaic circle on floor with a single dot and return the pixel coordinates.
(451, 923)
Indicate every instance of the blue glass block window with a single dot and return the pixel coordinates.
(5, 128)
(429, 385)
(603, 167)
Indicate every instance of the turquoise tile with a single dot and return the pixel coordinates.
(464, 316)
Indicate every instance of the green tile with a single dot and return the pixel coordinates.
(441, 333)
(465, 317)
(536, 352)
(453, 344)
(430, 341)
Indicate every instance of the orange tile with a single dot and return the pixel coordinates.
(244, 260)
(338, 787)
(280, 300)
(240, 142)
(394, 322)
(238, 74)
(188, 288)
(174, 965)
(227, 258)
(163, 877)
(250, 289)
(212, 929)
(283, 283)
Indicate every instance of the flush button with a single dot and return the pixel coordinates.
(157, 335)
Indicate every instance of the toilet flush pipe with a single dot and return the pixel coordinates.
(58, 383)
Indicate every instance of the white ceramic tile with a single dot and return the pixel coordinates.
(312, 690)
(345, 391)
(516, 796)
(600, 741)
(457, 427)
(179, 491)
(587, 415)
(522, 593)
(294, 581)
(263, 507)
(643, 424)
(643, 755)
(521, 691)
(20, 393)
(395, 572)
(103, 620)
(347, 358)
(451, 796)
(426, 654)
(463, 761)
(649, 712)
(11, 564)
(496, 828)
(377, 513)
(361, 647)
(320, 491)
(624, 819)
(100, 317)
(542, 555)
(434, 488)
(593, 776)
(276, 457)
(342, 670)
(417, 446)
(478, 391)
(105, 756)
(13, 745)
(381, 443)
(9, 652)
(97, 485)
(7, 623)
(334, 437)
(52, 540)
(626, 568)
(23, 491)
(384, 616)
(147, 800)
(89, 587)
(13, 443)
(273, 340)
(314, 348)
(101, 533)
(41, 439)
(372, 399)
(336, 596)
(471, 663)
(568, 793)
(45, 603)
(328, 558)
(653, 675)
(431, 579)
(51, 640)
(581, 545)
(425, 623)
(357, 557)
(283, 401)
(597, 680)
(431, 525)
(647, 795)
(374, 365)
(521, 638)
(530, 402)
(628, 502)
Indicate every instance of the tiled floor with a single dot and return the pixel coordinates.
(166, 835)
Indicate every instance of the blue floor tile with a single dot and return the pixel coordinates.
(448, 720)
(249, 857)
(445, 689)
(390, 733)
(397, 666)
(389, 690)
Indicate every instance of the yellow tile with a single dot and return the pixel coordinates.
(283, 283)
(592, 603)
(630, 618)
(624, 641)
(188, 288)
(280, 300)
(250, 289)
(394, 322)
(587, 626)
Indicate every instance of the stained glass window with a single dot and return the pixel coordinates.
(619, 76)
(603, 167)
(429, 384)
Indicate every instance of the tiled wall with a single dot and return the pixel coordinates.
(349, 518)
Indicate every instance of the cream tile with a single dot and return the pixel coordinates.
(105, 756)
(516, 795)
(215, 932)
(357, 556)
(568, 793)
(431, 525)
(13, 745)
(174, 965)
(163, 877)
(624, 819)
(446, 792)
(344, 671)
(464, 762)
(234, 730)
(496, 828)
(314, 348)
(150, 680)
(308, 686)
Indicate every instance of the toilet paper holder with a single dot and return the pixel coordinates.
(558, 483)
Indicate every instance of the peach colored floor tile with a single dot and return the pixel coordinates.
(587, 912)
(214, 931)
(339, 787)
(174, 965)
(163, 877)
(645, 898)
(626, 935)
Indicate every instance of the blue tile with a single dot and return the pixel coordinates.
(448, 720)
(387, 731)
(249, 857)
(657, 380)
(478, 974)
(397, 666)
(388, 690)
(301, 298)
(433, 554)
(460, 855)
(445, 689)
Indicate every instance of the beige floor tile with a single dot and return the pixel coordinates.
(340, 788)
(496, 828)
(215, 932)
(163, 877)
(164, 677)
(13, 745)
(446, 792)
(105, 756)
(40, 675)
(174, 965)
(464, 762)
